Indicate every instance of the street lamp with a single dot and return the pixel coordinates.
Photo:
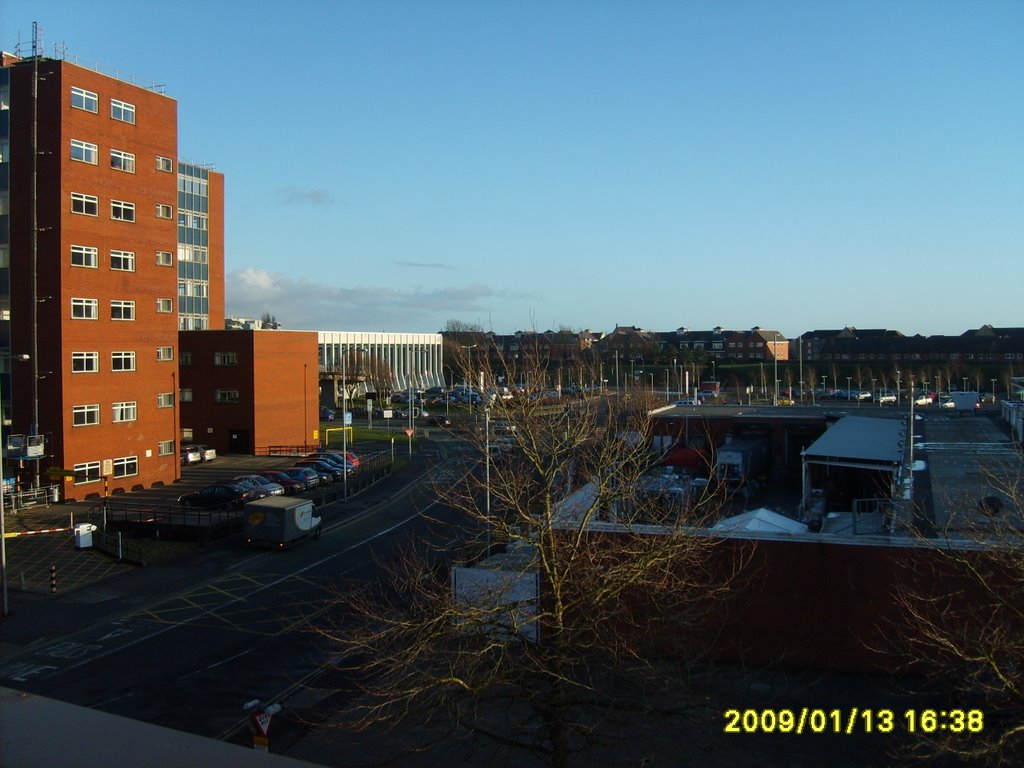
(993, 391)
(487, 472)
(344, 423)
(3, 511)
(775, 359)
(848, 378)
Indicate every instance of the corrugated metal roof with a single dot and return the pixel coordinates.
(859, 438)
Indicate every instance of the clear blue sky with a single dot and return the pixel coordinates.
(522, 164)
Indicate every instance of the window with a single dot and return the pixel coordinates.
(85, 362)
(225, 358)
(122, 310)
(85, 309)
(126, 466)
(226, 396)
(122, 110)
(88, 472)
(165, 448)
(83, 99)
(85, 415)
(164, 305)
(122, 161)
(164, 211)
(87, 205)
(84, 152)
(164, 259)
(122, 261)
(122, 211)
(185, 358)
(122, 361)
(165, 353)
(186, 434)
(165, 400)
(84, 256)
(164, 164)
(185, 395)
(127, 411)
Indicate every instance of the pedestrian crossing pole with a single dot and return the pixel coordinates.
(53, 579)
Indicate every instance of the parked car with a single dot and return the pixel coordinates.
(887, 397)
(259, 491)
(687, 401)
(923, 400)
(219, 496)
(331, 471)
(207, 453)
(271, 488)
(290, 484)
(310, 477)
(440, 421)
(336, 462)
(190, 455)
(326, 414)
(948, 402)
(338, 457)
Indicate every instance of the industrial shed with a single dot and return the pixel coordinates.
(855, 466)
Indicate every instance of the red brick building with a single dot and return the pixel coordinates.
(243, 391)
(90, 248)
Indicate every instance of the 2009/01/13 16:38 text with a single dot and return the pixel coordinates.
(855, 720)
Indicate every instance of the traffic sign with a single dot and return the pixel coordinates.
(262, 721)
(410, 432)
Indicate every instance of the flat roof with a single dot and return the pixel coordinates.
(861, 438)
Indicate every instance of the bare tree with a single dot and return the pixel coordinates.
(598, 570)
(963, 603)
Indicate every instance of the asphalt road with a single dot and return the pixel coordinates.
(189, 650)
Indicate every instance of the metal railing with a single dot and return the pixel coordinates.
(118, 547)
(33, 497)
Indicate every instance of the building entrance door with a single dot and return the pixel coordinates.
(239, 441)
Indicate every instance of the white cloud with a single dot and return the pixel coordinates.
(299, 303)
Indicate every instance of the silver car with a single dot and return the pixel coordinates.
(265, 486)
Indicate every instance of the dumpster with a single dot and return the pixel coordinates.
(83, 535)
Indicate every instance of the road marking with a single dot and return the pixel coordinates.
(46, 671)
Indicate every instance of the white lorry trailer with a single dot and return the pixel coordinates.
(278, 521)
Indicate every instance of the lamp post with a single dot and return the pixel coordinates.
(993, 391)
(775, 359)
(848, 378)
(824, 384)
(3, 510)
(344, 424)
(965, 385)
(487, 473)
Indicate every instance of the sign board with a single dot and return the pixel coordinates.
(369, 406)
(388, 413)
(108, 467)
(348, 418)
(56, 472)
(262, 722)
